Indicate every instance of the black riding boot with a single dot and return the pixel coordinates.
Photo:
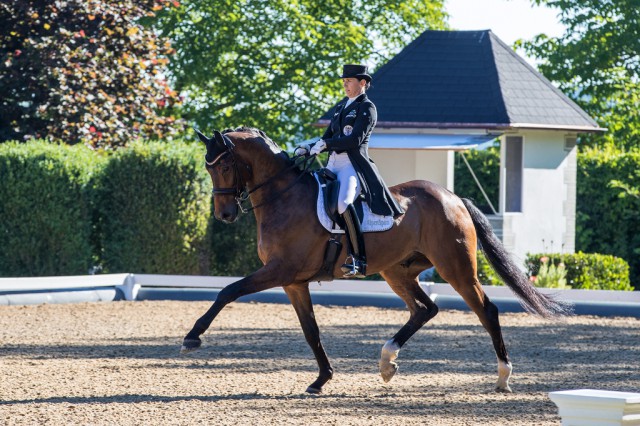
(358, 266)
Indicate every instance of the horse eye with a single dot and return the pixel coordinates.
(224, 169)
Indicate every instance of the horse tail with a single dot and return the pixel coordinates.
(531, 299)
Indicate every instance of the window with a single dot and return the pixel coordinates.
(513, 179)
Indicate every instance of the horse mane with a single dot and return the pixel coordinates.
(275, 148)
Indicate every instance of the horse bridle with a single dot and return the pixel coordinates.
(239, 190)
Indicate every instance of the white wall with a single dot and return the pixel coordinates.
(546, 223)
(402, 165)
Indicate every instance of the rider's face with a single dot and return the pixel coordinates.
(353, 87)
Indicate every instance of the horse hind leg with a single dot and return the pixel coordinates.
(404, 282)
(487, 313)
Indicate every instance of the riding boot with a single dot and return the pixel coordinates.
(358, 266)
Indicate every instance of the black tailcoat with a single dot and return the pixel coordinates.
(349, 132)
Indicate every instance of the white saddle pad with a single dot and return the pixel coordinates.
(371, 222)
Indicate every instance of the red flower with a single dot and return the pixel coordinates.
(92, 129)
(18, 52)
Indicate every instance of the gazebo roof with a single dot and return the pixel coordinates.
(468, 79)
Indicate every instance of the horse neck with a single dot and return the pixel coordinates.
(270, 171)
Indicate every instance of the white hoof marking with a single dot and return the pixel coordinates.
(504, 373)
(389, 354)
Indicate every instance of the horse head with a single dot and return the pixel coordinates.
(231, 159)
(221, 166)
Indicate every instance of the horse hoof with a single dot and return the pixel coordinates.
(388, 368)
(190, 345)
(314, 391)
(504, 390)
(388, 371)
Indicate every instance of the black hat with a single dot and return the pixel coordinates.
(355, 71)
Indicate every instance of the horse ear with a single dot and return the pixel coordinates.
(219, 138)
(202, 137)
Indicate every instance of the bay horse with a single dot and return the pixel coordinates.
(437, 229)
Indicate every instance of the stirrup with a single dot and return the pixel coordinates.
(356, 269)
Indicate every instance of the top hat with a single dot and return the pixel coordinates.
(355, 71)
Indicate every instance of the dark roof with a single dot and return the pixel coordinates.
(468, 79)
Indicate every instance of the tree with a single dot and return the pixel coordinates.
(83, 70)
(275, 65)
(597, 63)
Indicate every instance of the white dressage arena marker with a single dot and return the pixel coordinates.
(590, 407)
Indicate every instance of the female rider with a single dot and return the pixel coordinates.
(347, 141)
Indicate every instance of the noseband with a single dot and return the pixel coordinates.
(239, 189)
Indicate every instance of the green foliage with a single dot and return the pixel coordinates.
(486, 166)
(83, 71)
(276, 65)
(608, 218)
(45, 206)
(233, 247)
(596, 63)
(154, 206)
(486, 274)
(589, 271)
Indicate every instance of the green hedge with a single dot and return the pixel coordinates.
(154, 203)
(608, 220)
(233, 247)
(590, 271)
(46, 208)
(150, 211)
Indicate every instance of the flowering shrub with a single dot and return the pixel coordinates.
(550, 275)
(84, 70)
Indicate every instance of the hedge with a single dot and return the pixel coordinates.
(147, 209)
(589, 271)
(154, 203)
(233, 247)
(607, 219)
(46, 208)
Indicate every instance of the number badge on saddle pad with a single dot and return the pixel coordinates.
(347, 130)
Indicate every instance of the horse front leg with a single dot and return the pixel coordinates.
(263, 279)
(301, 301)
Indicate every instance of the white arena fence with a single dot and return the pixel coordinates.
(128, 286)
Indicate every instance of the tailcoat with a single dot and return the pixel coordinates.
(349, 132)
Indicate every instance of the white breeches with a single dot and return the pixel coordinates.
(349, 183)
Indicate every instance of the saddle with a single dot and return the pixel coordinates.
(330, 189)
(327, 212)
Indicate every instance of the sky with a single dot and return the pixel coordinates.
(510, 20)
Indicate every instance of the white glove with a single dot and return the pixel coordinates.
(318, 147)
(302, 150)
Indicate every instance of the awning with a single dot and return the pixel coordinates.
(443, 142)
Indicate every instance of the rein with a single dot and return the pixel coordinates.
(239, 190)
